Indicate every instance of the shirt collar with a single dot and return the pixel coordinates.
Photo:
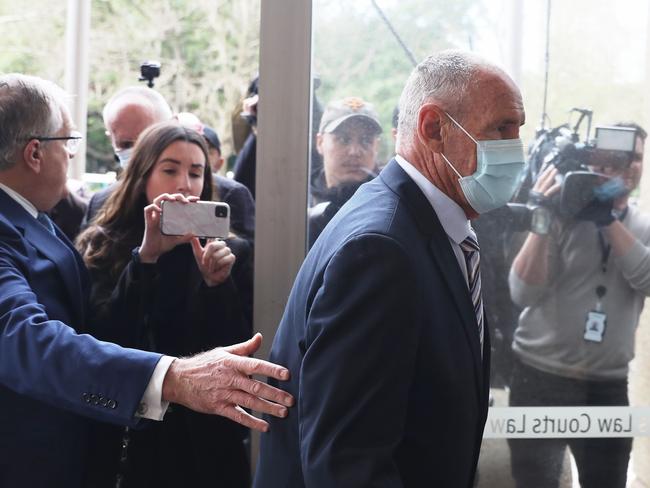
(21, 200)
(452, 217)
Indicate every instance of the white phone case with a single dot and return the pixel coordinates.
(202, 218)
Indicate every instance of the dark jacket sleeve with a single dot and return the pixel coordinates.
(246, 162)
(361, 346)
(120, 312)
(242, 211)
(143, 310)
(225, 312)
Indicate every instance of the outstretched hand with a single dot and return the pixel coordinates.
(154, 242)
(218, 382)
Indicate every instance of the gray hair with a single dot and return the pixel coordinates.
(29, 107)
(147, 97)
(445, 77)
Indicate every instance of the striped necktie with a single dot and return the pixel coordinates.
(471, 251)
(44, 219)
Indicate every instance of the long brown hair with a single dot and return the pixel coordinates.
(119, 226)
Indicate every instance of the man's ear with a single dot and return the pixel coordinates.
(33, 155)
(319, 143)
(429, 129)
(217, 167)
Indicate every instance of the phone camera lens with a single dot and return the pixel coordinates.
(220, 211)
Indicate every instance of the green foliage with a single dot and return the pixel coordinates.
(208, 50)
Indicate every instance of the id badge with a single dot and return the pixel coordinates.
(595, 326)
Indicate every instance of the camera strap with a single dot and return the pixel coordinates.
(605, 248)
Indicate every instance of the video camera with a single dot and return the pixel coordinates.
(149, 70)
(584, 194)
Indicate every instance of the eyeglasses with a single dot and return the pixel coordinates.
(72, 141)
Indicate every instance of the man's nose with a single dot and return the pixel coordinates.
(355, 148)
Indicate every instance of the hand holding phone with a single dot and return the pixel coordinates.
(154, 243)
(200, 218)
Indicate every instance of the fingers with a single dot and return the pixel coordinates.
(178, 197)
(197, 250)
(249, 390)
(239, 415)
(247, 348)
(151, 213)
(546, 183)
(253, 402)
(251, 366)
(214, 250)
(221, 263)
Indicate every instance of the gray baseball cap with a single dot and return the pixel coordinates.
(339, 111)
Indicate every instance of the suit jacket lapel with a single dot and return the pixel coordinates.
(59, 251)
(443, 255)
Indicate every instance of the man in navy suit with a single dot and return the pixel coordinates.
(384, 329)
(55, 378)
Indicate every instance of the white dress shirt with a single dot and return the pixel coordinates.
(451, 216)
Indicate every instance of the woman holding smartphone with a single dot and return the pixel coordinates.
(181, 296)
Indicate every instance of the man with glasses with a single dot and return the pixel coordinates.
(348, 141)
(55, 378)
(69, 213)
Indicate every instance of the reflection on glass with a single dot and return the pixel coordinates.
(582, 287)
(348, 141)
(562, 294)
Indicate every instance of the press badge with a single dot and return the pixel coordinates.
(595, 326)
(596, 322)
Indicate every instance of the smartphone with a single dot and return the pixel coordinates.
(202, 218)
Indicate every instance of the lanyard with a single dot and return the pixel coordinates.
(605, 248)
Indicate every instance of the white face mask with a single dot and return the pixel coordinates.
(124, 155)
(499, 165)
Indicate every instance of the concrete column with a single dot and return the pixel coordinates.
(76, 74)
(284, 117)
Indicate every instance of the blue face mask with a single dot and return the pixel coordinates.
(499, 166)
(124, 155)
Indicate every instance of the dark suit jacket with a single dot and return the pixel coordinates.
(242, 206)
(382, 343)
(68, 214)
(96, 202)
(53, 380)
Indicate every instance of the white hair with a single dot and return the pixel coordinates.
(147, 97)
(446, 78)
(30, 107)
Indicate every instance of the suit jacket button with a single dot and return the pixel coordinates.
(102, 401)
(112, 404)
(93, 398)
(85, 397)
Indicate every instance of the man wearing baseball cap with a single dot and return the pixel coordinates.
(348, 140)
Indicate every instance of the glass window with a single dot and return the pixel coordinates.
(563, 334)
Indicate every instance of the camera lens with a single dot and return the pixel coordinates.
(220, 211)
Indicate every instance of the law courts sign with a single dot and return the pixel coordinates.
(563, 422)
